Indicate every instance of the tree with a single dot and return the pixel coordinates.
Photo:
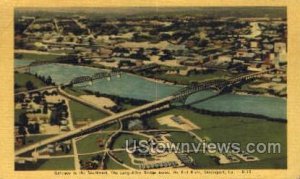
(45, 109)
(60, 39)
(37, 128)
(37, 99)
(54, 118)
(23, 119)
(29, 85)
(20, 98)
(22, 130)
(48, 80)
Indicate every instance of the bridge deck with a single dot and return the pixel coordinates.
(120, 116)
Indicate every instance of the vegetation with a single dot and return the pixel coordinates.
(92, 143)
(180, 79)
(124, 158)
(75, 91)
(120, 141)
(82, 112)
(26, 81)
(31, 139)
(88, 156)
(236, 129)
(18, 113)
(50, 164)
(37, 57)
(112, 165)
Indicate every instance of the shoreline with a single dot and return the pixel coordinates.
(264, 94)
(160, 81)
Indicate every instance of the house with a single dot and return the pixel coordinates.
(224, 58)
(279, 47)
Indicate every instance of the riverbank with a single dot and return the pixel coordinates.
(263, 94)
(140, 88)
(235, 114)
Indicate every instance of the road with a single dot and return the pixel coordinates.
(100, 122)
(119, 116)
(36, 90)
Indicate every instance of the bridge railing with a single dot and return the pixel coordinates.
(219, 84)
(95, 76)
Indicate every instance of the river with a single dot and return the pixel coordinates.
(137, 87)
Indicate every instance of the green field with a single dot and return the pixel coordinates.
(88, 156)
(74, 91)
(241, 130)
(34, 138)
(124, 157)
(128, 106)
(50, 164)
(37, 57)
(120, 141)
(89, 143)
(82, 112)
(22, 78)
(112, 165)
(111, 127)
(178, 137)
(179, 79)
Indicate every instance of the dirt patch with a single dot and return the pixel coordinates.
(178, 122)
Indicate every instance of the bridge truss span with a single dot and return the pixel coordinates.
(219, 84)
(95, 76)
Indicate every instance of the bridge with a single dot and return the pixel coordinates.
(219, 85)
(96, 76)
(139, 111)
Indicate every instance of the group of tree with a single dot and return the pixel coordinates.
(29, 85)
(47, 81)
(60, 111)
(24, 124)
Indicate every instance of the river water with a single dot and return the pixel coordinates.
(137, 87)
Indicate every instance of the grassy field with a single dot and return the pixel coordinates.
(82, 112)
(241, 130)
(22, 78)
(89, 144)
(111, 127)
(50, 164)
(179, 79)
(120, 142)
(33, 139)
(37, 57)
(124, 157)
(128, 106)
(112, 165)
(178, 137)
(75, 92)
(88, 156)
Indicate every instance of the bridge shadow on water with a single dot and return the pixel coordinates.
(202, 100)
